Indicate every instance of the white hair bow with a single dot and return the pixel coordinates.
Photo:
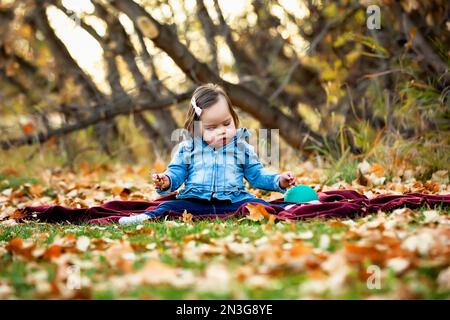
(198, 110)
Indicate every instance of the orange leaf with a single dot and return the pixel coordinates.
(15, 245)
(18, 214)
(337, 224)
(25, 31)
(377, 169)
(120, 191)
(187, 217)
(18, 247)
(271, 219)
(117, 255)
(142, 171)
(54, 251)
(412, 33)
(316, 274)
(9, 171)
(300, 249)
(70, 237)
(376, 140)
(432, 186)
(125, 193)
(36, 190)
(257, 212)
(85, 168)
(11, 68)
(116, 191)
(28, 128)
(359, 253)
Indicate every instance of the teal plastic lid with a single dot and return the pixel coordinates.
(300, 194)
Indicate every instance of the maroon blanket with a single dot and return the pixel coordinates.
(334, 204)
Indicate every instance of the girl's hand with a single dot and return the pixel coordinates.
(287, 179)
(161, 181)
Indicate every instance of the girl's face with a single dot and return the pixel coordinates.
(217, 124)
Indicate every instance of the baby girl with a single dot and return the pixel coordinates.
(212, 163)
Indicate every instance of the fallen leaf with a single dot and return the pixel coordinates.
(21, 248)
(398, 264)
(431, 216)
(15, 245)
(28, 128)
(257, 212)
(53, 251)
(443, 279)
(9, 171)
(187, 217)
(440, 176)
(299, 248)
(359, 253)
(364, 167)
(83, 243)
(120, 254)
(324, 242)
(420, 243)
(377, 169)
(18, 214)
(362, 179)
(155, 272)
(216, 279)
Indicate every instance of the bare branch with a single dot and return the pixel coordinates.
(99, 114)
(292, 130)
(209, 28)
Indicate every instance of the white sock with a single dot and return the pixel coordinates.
(134, 219)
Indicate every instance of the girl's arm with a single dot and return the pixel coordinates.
(177, 171)
(258, 176)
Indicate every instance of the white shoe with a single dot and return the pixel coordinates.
(134, 219)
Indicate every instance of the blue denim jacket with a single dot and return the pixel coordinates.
(218, 173)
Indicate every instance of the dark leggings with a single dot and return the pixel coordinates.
(199, 206)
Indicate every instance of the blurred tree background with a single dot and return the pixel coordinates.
(110, 80)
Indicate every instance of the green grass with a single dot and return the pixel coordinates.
(9, 181)
(341, 171)
(285, 285)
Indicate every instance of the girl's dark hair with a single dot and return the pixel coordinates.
(205, 96)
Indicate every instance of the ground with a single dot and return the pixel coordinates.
(399, 254)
